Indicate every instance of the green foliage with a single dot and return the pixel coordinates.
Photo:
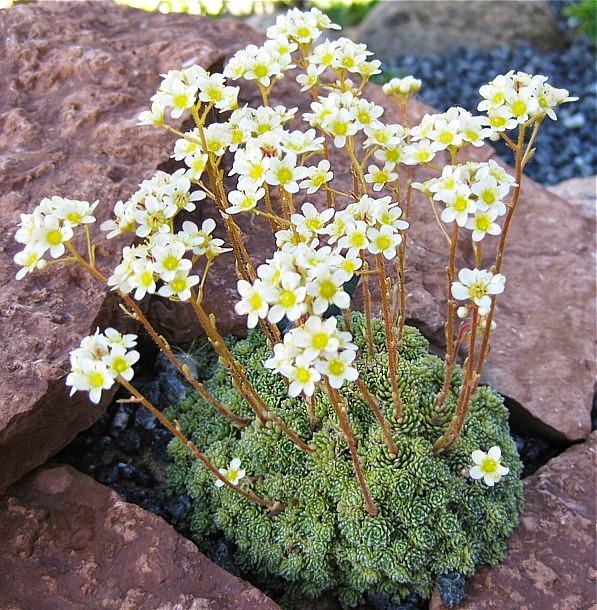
(585, 12)
(432, 519)
(343, 12)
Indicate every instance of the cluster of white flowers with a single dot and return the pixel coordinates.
(517, 98)
(452, 128)
(473, 194)
(304, 279)
(47, 229)
(100, 360)
(161, 260)
(180, 89)
(153, 207)
(402, 87)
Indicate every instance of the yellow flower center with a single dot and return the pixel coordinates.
(287, 298)
(170, 263)
(477, 290)
(181, 100)
(489, 465)
(519, 108)
(260, 71)
(146, 278)
(96, 380)
(319, 340)
(119, 365)
(460, 204)
(255, 301)
(303, 375)
(383, 242)
(284, 175)
(54, 237)
(178, 284)
(482, 223)
(327, 289)
(336, 367)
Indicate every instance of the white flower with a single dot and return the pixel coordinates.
(51, 234)
(285, 172)
(30, 258)
(402, 86)
(303, 377)
(233, 474)
(477, 285)
(317, 176)
(179, 287)
(311, 221)
(175, 94)
(482, 223)
(317, 337)
(487, 466)
(252, 304)
(120, 362)
(155, 116)
(243, 201)
(459, 205)
(379, 176)
(337, 368)
(74, 212)
(327, 289)
(383, 241)
(90, 376)
(169, 259)
(286, 299)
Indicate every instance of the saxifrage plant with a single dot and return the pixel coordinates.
(331, 449)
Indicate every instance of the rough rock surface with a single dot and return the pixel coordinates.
(409, 26)
(69, 542)
(580, 192)
(551, 556)
(74, 76)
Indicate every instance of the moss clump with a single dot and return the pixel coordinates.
(433, 520)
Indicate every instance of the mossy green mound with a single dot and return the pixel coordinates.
(433, 519)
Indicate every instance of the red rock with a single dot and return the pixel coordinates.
(580, 192)
(69, 542)
(74, 76)
(551, 562)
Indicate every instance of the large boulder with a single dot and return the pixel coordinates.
(69, 542)
(413, 27)
(551, 556)
(74, 77)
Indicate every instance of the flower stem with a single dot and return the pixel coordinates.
(245, 387)
(175, 431)
(390, 339)
(469, 384)
(340, 407)
(383, 422)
